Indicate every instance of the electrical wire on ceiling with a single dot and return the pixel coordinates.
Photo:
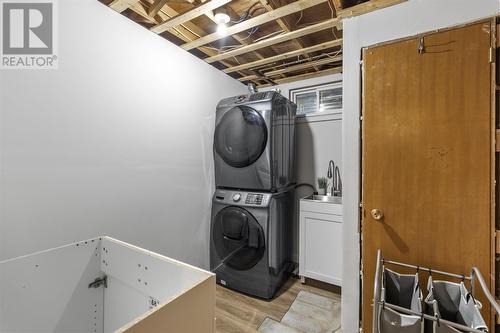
(311, 23)
(332, 54)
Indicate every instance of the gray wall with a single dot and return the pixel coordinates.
(407, 19)
(117, 141)
(319, 140)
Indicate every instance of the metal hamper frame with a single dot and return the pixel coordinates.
(474, 275)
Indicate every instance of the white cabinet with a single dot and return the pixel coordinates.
(320, 239)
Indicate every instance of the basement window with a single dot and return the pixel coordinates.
(320, 99)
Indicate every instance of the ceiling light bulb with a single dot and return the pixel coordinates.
(221, 17)
(221, 29)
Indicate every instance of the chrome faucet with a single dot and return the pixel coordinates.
(337, 188)
(334, 174)
(330, 174)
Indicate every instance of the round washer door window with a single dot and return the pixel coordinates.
(238, 238)
(240, 136)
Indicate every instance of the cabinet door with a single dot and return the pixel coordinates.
(322, 247)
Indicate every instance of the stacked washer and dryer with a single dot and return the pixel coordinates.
(252, 209)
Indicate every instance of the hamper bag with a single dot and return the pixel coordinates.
(402, 290)
(453, 302)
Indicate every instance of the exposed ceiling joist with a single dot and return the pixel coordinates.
(156, 6)
(189, 15)
(249, 78)
(334, 22)
(121, 5)
(140, 10)
(305, 65)
(279, 57)
(337, 4)
(255, 21)
(367, 7)
(266, 60)
(186, 32)
(306, 76)
(282, 22)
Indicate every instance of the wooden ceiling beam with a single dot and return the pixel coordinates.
(188, 32)
(249, 78)
(308, 64)
(334, 22)
(156, 6)
(367, 7)
(306, 76)
(279, 57)
(283, 23)
(189, 15)
(255, 21)
(337, 4)
(122, 5)
(140, 10)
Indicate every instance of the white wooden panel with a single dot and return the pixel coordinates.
(135, 275)
(48, 291)
(122, 304)
(321, 247)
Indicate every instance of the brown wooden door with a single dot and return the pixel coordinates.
(426, 159)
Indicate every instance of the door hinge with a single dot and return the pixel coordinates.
(102, 281)
(492, 55)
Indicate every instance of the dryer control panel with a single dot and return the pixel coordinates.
(241, 198)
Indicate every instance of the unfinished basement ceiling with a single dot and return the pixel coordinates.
(268, 42)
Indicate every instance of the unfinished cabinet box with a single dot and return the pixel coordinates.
(104, 285)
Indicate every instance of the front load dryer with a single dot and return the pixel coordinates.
(250, 245)
(254, 142)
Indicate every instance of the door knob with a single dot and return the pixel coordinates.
(377, 214)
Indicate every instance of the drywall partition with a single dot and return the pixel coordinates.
(403, 20)
(117, 140)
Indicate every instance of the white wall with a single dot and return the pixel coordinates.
(117, 141)
(318, 140)
(407, 19)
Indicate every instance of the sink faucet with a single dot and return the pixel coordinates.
(334, 174)
(337, 189)
(330, 174)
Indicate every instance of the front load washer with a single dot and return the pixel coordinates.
(251, 240)
(254, 142)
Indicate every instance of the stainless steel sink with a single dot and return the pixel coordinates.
(324, 198)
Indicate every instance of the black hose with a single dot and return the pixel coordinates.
(308, 185)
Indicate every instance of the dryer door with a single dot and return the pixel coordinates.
(238, 238)
(240, 136)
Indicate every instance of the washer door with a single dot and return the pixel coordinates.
(240, 136)
(238, 238)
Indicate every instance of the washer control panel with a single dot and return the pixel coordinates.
(241, 198)
(254, 199)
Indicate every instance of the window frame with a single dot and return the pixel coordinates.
(293, 93)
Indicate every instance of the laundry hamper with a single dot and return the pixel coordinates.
(402, 290)
(453, 302)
